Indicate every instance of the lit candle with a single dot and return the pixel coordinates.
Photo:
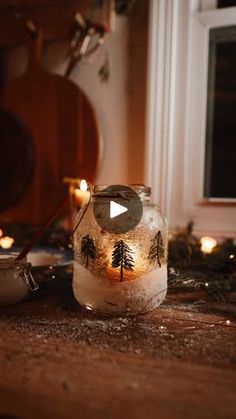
(6, 242)
(207, 244)
(81, 195)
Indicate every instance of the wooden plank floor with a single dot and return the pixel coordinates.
(58, 361)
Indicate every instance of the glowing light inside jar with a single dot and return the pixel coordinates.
(6, 242)
(207, 244)
(139, 267)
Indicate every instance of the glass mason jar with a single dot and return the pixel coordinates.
(132, 281)
(15, 279)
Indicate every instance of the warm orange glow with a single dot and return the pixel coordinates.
(1, 232)
(6, 242)
(140, 268)
(207, 244)
(83, 185)
(81, 195)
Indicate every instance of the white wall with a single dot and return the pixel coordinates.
(110, 99)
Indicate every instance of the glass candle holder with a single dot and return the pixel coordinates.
(15, 279)
(121, 273)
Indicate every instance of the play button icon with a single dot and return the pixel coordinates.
(117, 208)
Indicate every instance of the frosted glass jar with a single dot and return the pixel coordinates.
(121, 273)
(15, 279)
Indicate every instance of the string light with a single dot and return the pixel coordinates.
(207, 244)
(6, 242)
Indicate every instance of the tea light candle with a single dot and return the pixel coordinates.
(207, 244)
(81, 195)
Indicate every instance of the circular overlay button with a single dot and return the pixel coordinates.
(117, 209)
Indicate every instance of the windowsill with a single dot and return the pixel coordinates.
(217, 201)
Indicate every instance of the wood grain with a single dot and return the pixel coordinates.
(58, 361)
(62, 124)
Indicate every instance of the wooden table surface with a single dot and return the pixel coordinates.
(59, 361)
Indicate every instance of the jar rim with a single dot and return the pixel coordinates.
(139, 188)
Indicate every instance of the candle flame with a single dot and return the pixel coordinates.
(207, 244)
(6, 242)
(1, 232)
(83, 185)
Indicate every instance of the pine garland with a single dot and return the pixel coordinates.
(189, 268)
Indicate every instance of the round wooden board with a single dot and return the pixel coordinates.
(16, 160)
(64, 130)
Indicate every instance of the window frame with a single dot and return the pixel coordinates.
(176, 115)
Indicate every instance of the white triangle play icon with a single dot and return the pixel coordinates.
(116, 209)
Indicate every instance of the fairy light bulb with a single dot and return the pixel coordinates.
(6, 242)
(207, 244)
